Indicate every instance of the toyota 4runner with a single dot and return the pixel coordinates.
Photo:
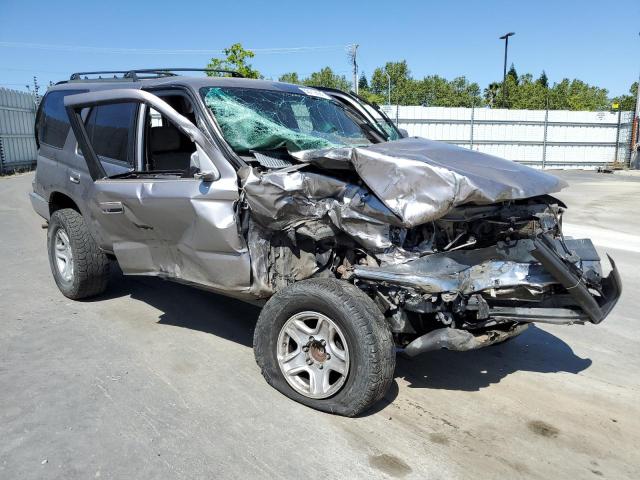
(359, 242)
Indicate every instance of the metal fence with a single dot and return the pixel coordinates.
(17, 141)
(540, 138)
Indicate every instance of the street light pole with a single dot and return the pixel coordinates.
(505, 37)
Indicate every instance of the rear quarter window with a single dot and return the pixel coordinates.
(53, 125)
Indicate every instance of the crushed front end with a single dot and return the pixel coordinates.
(456, 258)
(480, 274)
(458, 248)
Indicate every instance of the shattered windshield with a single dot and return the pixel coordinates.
(253, 119)
(381, 119)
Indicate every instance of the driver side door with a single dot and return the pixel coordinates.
(173, 224)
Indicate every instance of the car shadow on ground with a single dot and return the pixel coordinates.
(188, 307)
(535, 350)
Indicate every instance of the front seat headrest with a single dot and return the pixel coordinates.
(164, 139)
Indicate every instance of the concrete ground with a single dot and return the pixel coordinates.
(157, 380)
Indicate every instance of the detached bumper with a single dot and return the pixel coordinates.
(536, 264)
(596, 308)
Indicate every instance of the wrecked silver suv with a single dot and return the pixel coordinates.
(360, 242)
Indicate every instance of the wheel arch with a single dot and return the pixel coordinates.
(59, 200)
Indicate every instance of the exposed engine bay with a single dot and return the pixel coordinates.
(447, 272)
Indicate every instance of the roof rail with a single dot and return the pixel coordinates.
(140, 74)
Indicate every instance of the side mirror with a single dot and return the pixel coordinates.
(199, 159)
(404, 133)
(206, 176)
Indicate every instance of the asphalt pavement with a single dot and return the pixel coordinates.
(158, 380)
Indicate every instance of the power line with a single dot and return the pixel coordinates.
(155, 51)
(11, 69)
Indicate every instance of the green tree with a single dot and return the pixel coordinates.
(512, 73)
(400, 81)
(235, 59)
(326, 78)
(528, 94)
(371, 97)
(543, 80)
(291, 77)
(363, 84)
(517, 91)
(437, 91)
(577, 95)
(432, 90)
(627, 102)
(491, 94)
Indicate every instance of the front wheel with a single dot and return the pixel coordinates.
(325, 344)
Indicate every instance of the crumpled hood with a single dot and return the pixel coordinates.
(420, 180)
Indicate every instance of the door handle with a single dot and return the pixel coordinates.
(74, 177)
(110, 208)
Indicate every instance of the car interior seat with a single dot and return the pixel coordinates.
(168, 149)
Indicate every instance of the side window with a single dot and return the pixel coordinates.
(111, 131)
(53, 123)
(166, 147)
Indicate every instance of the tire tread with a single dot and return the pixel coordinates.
(91, 265)
(372, 331)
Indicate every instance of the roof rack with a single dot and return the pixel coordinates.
(141, 74)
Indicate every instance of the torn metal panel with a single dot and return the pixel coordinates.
(277, 260)
(184, 230)
(471, 271)
(459, 340)
(420, 180)
(286, 198)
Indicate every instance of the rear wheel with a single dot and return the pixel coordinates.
(79, 267)
(324, 343)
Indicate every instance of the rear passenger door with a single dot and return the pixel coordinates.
(52, 136)
(168, 223)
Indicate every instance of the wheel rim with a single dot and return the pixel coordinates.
(313, 355)
(64, 255)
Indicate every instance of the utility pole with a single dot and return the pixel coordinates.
(36, 89)
(505, 37)
(636, 120)
(388, 87)
(634, 150)
(353, 55)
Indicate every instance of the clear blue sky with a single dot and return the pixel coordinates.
(591, 40)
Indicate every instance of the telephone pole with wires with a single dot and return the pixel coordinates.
(36, 89)
(353, 52)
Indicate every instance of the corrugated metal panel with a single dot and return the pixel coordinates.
(573, 139)
(17, 141)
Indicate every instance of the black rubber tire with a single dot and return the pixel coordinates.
(90, 265)
(371, 348)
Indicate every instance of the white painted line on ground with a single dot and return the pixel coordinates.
(603, 237)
